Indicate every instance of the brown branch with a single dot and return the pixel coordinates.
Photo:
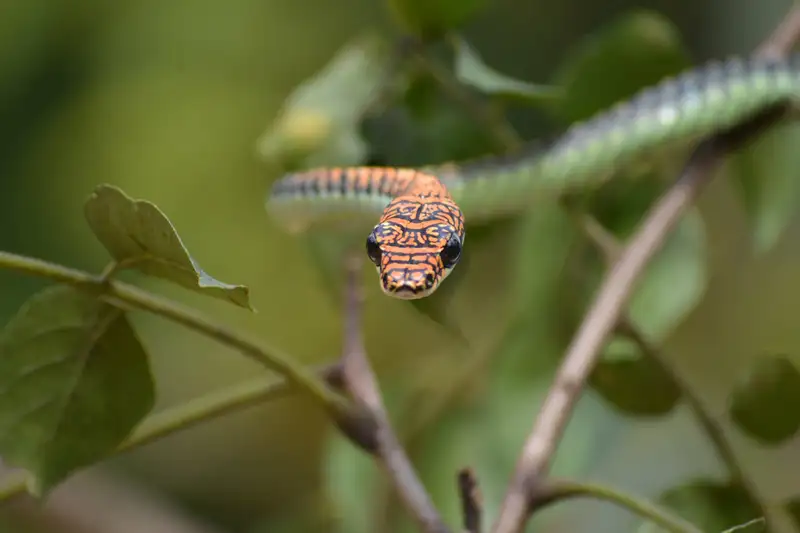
(614, 293)
(470, 500)
(370, 428)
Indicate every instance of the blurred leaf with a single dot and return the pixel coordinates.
(769, 183)
(675, 281)
(319, 122)
(766, 402)
(471, 70)
(424, 127)
(431, 18)
(137, 233)
(793, 508)
(633, 382)
(637, 49)
(709, 505)
(353, 487)
(75, 381)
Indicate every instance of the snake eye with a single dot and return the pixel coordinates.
(373, 250)
(451, 251)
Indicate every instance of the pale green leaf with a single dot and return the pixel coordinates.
(471, 70)
(137, 234)
(74, 382)
(674, 282)
(318, 124)
(768, 180)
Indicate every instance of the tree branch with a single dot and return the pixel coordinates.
(372, 430)
(613, 295)
(124, 295)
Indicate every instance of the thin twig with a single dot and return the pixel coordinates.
(711, 427)
(125, 295)
(470, 500)
(612, 297)
(558, 490)
(374, 432)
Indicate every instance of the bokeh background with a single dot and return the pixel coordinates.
(168, 100)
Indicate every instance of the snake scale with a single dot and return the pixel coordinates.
(421, 213)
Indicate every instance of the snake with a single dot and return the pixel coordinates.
(414, 218)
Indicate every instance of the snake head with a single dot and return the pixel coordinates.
(412, 260)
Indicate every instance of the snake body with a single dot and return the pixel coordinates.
(420, 213)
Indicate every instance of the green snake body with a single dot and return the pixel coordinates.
(672, 114)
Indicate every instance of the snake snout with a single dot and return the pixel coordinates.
(408, 284)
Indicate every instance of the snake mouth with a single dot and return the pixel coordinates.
(408, 292)
(407, 289)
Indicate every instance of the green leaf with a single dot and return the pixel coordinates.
(674, 282)
(74, 382)
(765, 403)
(319, 123)
(637, 49)
(768, 183)
(633, 382)
(138, 235)
(424, 127)
(793, 508)
(353, 486)
(709, 505)
(431, 18)
(471, 70)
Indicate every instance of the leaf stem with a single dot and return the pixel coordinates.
(116, 292)
(557, 490)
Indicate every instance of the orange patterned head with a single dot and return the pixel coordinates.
(416, 244)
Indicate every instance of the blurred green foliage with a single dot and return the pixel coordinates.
(199, 106)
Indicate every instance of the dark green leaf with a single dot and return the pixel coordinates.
(138, 235)
(424, 127)
(793, 508)
(471, 70)
(766, 402)
(636, 50)
(74, 382)
(431, 18)
(319, 122)
(633, 382)
(709, 505)
(769, 183)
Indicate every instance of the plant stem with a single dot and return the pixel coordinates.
(187, 415)
(555, 491)
(116, 291)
